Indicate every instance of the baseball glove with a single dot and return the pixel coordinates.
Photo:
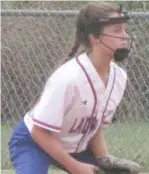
(113, 165)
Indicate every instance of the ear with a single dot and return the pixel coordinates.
(92, 39)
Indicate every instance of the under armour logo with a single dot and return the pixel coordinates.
(84, 102)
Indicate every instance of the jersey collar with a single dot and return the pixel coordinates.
(94, 76)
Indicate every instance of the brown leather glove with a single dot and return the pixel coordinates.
(113, 165)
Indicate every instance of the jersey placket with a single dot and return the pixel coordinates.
(94, 111)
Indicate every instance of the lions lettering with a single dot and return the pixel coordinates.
(87, 124)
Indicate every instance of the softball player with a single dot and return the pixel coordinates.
(66, 124)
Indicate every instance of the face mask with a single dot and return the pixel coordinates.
(93, 28)
(120, 54)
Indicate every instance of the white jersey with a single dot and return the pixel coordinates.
(75, 102)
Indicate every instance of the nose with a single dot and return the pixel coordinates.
(125, 35)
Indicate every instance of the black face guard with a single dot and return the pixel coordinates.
(94, 28)
(121, 53)
(116, 20)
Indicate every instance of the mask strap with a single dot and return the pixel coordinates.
(117, 36)
(106, 46)
(132, 39)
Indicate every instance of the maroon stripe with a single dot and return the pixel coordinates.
(94, 94)
(102, 118)
(47, 125)
(91, 84)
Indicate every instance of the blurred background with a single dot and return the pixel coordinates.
(35, 41)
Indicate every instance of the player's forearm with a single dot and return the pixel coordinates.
(48, 142)
(98, 145)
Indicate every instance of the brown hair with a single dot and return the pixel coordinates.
(87, 23)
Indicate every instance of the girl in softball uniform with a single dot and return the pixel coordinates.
(65, 126)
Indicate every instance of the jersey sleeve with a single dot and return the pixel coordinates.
(49, 111)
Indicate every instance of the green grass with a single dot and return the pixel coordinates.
(125, 140)
(130, 141)
(52, 171)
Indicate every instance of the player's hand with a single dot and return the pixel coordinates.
(84, 168)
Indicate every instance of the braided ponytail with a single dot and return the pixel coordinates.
(74, 48)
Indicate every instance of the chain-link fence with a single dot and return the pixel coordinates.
(35, 42)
